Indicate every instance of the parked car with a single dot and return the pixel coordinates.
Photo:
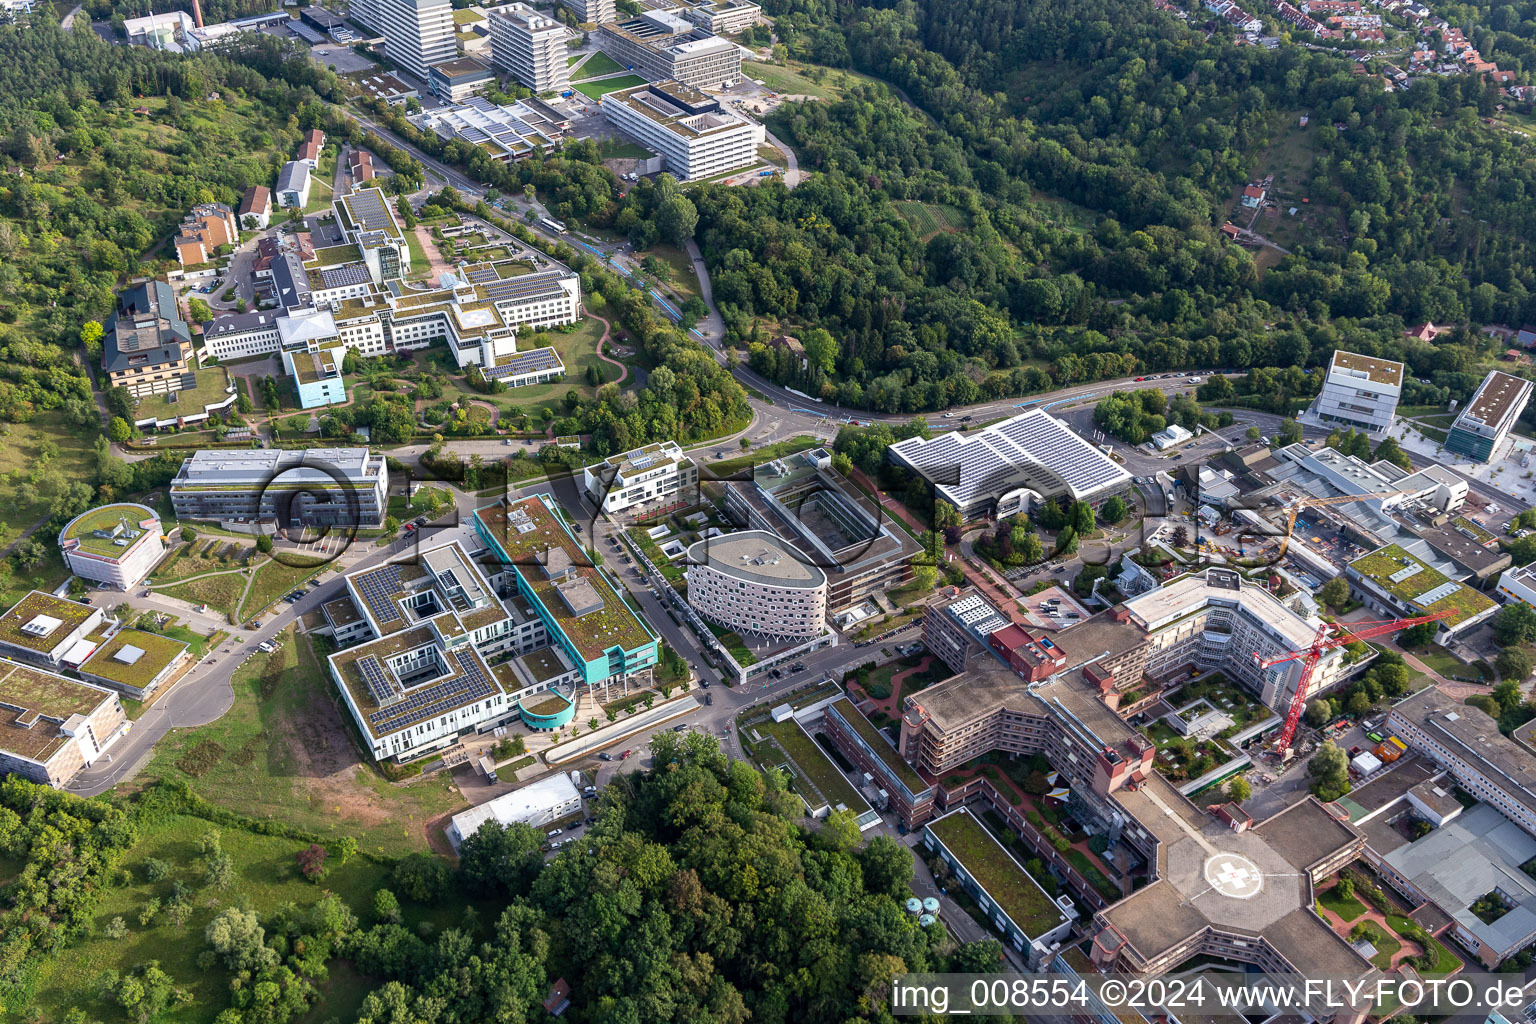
(624, 755)
(556, 832)
(605, 756)
(680, 728)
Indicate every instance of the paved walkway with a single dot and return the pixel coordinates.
(607, 332)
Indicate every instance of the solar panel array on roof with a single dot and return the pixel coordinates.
(381, 687)
(378, 589)
(520, 363)
(526, 288)
(1033, 449)
(481, 273)
(368, 210)
(470, 683)
(347, 273)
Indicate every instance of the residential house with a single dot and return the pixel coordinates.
(256, 208)
(293, 184)
(205, 227)
(311, 147)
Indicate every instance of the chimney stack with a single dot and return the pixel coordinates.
(197, 13)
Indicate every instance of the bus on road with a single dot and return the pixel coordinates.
(553, 225)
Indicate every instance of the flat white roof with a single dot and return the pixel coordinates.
(1033, 449)
(518, 805)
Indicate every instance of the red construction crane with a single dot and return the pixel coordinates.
(1322, 644)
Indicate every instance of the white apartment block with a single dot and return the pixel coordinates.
(646, 474)
(479, 322)
(1217, 620)
(592, 12)
(757, 582)
(722, 17)
(1360, 392)
(530, 47)
(417, 33)
(666, 45)
(1519, 584)
(694, 136)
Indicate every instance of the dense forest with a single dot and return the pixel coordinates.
(1084, 155)
(697, 896)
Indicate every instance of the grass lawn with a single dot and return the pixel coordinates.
(212, 386)
(597, 90)
(682, 280)
(1447, 664)
(420, 263)
(284, 751)
(1386, 944)
(21, 454)
(1445, 960)
(783, 79)
(577, 350)
(273, 580)
(624, 150)
(598, 64)
(1347, 907)
(467, 17)
(218, 592)
(267, 878)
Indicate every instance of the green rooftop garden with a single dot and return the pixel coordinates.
(612, 625)
(1380, 566)
(807, 761)
(880, 745)
(159, 651)
(69, 613)
(109, 518)
(1479, 534)
(335, 255)
(1019, 896)
(212, 388)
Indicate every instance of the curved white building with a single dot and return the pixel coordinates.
(116, 544)
(757, 582)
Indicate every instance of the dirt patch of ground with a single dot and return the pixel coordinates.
(325, 766)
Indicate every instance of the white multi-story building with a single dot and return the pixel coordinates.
(1485, 423)
(693, 135)
(530, 47)
(55, 726)
(655, 472)
(1360, 391)
(314, 487)
(592, 12)
(1466, 743)
(757, 582)
(115, 544)
(417, 33)
(341, 299)
(664, 45)
(722, 17)
(1519, 584)
(1218, 620)
(52, 631)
